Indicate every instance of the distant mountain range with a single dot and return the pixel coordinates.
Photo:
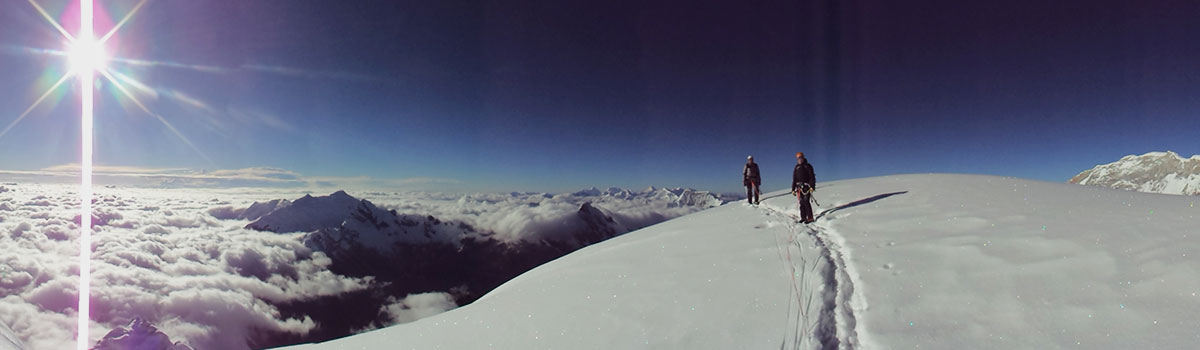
(675, 197)
(1154, 172)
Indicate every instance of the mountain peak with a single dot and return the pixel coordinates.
(308, 213)
(1156, 172)
(340, 221)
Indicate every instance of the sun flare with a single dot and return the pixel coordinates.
(86, 56)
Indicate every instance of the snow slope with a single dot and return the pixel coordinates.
(1154, 172)
(679, 284)
(910, 261)
(1000, 263)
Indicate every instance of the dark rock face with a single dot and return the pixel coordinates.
(138, 335)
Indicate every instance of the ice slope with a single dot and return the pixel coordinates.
(896, 262)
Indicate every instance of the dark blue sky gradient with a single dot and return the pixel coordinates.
(558, 95)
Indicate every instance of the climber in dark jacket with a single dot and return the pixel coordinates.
(751, 180)
(804, 183)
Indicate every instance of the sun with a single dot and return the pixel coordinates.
(86, 55)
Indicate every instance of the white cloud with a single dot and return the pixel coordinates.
(417, 306)
(36, 328)
(249, 116)
(529, 216)
(258, 178)
(21, 229)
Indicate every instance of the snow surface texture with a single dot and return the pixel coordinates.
(1155, 172)
(911, 261)
(182, 259)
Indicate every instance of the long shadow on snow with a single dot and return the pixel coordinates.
(859, 202)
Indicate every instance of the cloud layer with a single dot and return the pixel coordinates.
(533, 216)
(256, 177)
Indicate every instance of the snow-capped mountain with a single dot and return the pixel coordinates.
(257, 210)
(1155, 172)
(598, 226)
(138, 335)
(339, 221)
(616, 192)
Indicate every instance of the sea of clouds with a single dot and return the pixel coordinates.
(158, 255)
(172, 257)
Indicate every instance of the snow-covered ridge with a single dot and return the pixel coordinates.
(943, 261)
(1154, 172)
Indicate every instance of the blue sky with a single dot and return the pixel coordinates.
(553, 96)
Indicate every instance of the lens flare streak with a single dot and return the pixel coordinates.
(122, 22)
(34, 105)
(87, 59)
(86, 76)
(50, 19)
(120, 87)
